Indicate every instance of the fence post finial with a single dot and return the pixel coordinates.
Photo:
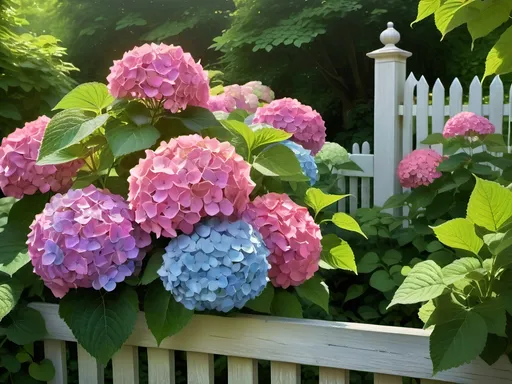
(390, 36)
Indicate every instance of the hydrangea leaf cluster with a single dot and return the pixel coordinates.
(186, 179)
(161, 72)
(467, 124)
(419, 168)
(86, 238)
(220, 266)
(332, 155)
(306, 160)
(19, 174)
(291, 235)
(306, 124)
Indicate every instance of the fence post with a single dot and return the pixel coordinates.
(390, 70)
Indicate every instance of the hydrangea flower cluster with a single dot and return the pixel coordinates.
(263, 92)
(234, 97)
(419, 168)
(161, 72)
(186, 179)
(222, 265)
(85, 238)
(306, 124)
(19, 174)
(332, 155)
(467, 124)
(291, 235)
(306, 161)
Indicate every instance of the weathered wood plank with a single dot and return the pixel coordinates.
(200, 368)
(334, 376)
(90, 371)
(241, 370)
(125, 365)
(55, 350)
(284, 373)
(161, 366)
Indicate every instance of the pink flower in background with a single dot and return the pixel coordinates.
(234, 97)
(467, 124)
(419, 168)
(19, 174)
(263, 92)
(161, 72)
(306, 124)
(86, 238)
(188, 178)
(291, 235)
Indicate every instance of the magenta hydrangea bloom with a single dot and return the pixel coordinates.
(419, 168)
(161, 72)
(291, 235)
(467, 124)
(19, 174)
(263, 92)
(86, 238)
(234, 97)
(306, 124)
(188, 178)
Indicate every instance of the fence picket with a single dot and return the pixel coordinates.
(161, 366)
(55, 350)
(379, 378)
(455, 97)
(199, 368)
(496, 96)
(422, 112)
(334, 376)
(284, 373)
(241, 370)
(90, 371)
(125, 365)
(407, 134)
(342, 185)
(475, 96)
(438, 112)
(509, 107)
(365, 181)
(354, 185)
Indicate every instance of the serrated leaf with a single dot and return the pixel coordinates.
(491, 16)
(459, 269)
(426, 8)
(154, 263)
(279, 161)
(164, 316)
(10, 292)
(459, 233)
(426, 311)
(347, 222)
(499, 58)
(20, 260)
(101, 322)
(27, 326)
(89, 96)
(495, 347)
(424, 282)
(316, 291)
(382, 281)
(266, 136)
(263, 302)
(286, 304)
(128, 138)
(318, 200)
(494, 313)
(342, 257)
(242, 131)
(44, 371)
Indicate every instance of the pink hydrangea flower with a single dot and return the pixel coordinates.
(19, 174)
(234, 97)
(306, 124)
(263, 92)
(188, 178)
(291, 235)
(419, 168)
(467, 124)
(86, 238)
(161, 72)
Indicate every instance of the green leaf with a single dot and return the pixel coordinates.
(196, 118)
(238, 115)
(426, 311)
(459, 269)
(495, 347)
(65, 129)
(457, 342)
(241, 130)
(434, 138)
(392, 257)
(451, 14)
(342, 257)
(317, 200)
(499, 58)
(27, 326)
(89, 96)
(396, 201)
(263, 302)
(424, 282)
(165, 317)
(382, 281)
(354, 291)
(10, 292)
(368, 263)
(347, 222)
(20, 260)
(279, 161)
(426, 8)
(154, 263)
(10, 363)
(316, 291)
(459, 233)
(127, 138)
(10, 111)
(286, 304)
(490, 17)
(489, 205)
(101, 322)
(266, 136)
(44, 371)
(434, 246)
(447, 309)
(453, 162)
(368, 313)
(494, 314)
(421, 197)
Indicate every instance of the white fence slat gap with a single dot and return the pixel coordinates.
(241, 370)
(455, 97)
(161, 366)
(200, 368)
(475, 96)
(55, 350)
(125, 365)
(284, 373)
(422, 91)
(342, 185)
(496, 96)
(365, 181)
(354, 185)
(509, 109)
(438, 112)
(407, 129)
(90, 371)
(333, 376)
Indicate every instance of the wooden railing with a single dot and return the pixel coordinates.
(336, 347)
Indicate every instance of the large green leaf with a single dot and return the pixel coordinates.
(492, 14)
(154, 263)
(318, 200)
(354, 291)
(127, 138)
(369, 262)
(459, 233)
(499, 58)
(43, 371)
(459, 269)
(164, 316)
(424, 282)
(27, 326)
(286, 304)
(347, 222)
(382, 281)
(10, 292)
(266, 136)
(20, 260)
(316, 291)
(89, 96)
(489, 205)
(195, 118)
(341, 257)
(263, 302)
(243, 136)
(457, 342)
(426, 311)
(453, 13)
(65, 129)
(494, 313)
(446, 309)
(279, 161)
(101, 322)
(426, 8)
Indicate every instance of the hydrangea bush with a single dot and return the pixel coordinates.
(136, 189)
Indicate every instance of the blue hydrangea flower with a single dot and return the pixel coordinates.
(220, 266)
(306, 160)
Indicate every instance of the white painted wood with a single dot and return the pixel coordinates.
(161, 366)
(465, 108)
(422, 91)
(428, 381)
(364, 161)
(125, 365)
(284, 373)
(508, 109)
(438, 112)
(358, 347)
(90, 371)
(200, 369)
(455, 97)
(407, 129)
(334, 376)
(241, 370)
(354, 185)
(496, 96)
(342, 185)
(55, 350)
(365, 181)
(475, 96)
(386, 379)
